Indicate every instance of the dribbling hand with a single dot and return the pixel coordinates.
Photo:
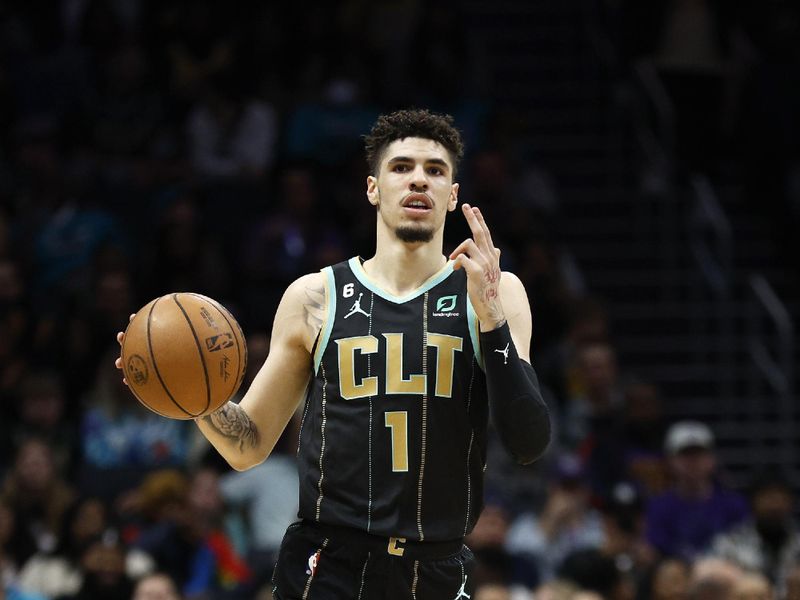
(481, 260)
(120, 338)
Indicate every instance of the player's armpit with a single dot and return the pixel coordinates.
(246, 433)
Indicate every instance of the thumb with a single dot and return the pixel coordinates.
(462, 261)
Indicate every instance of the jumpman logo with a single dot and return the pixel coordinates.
(356, 308)
(462, 592)
(504, 352)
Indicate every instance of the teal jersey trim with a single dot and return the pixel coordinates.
(361, 275)
(330, 316)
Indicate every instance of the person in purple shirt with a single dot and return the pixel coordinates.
(683, 520)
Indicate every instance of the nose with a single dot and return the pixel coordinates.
(419, 181)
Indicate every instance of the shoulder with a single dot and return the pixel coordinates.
(510, 283)
(299, 289)
(513, 295)
(302, 310)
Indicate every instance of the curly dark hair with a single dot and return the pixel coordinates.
(419, 123)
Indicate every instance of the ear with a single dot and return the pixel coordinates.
(373, 195)
(452, 201)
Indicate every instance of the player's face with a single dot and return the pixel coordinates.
(414, 188)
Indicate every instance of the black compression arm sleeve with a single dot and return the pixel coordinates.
(519, 412)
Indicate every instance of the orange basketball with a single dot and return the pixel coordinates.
(184, 355)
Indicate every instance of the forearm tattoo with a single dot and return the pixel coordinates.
(489, 293)
(315, 309)
(233, 423)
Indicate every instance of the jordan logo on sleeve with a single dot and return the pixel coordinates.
(504, 352)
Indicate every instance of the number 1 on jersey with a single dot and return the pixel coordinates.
(397, 422)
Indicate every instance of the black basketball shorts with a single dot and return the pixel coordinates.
(319, 562)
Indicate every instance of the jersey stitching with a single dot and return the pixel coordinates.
(463, 580)
(363, 575)
(416, 579)
(302, 423)
(424, 414)
(469, 449)
(322, 445)
(369, 449)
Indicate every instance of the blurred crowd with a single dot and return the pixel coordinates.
(151, 147)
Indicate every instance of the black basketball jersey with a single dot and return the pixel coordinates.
(393, 438)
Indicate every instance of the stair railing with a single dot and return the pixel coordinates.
(771, 347)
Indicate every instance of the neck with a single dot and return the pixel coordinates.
(400, 267)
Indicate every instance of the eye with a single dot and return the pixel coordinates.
(435, 171)
(400, 168)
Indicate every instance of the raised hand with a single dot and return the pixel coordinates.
(481, 260)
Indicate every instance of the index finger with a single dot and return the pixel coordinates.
(485, 227)
(480, 232)
(474, 224)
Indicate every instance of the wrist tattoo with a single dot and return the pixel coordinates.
(233, 423)
(491, 286)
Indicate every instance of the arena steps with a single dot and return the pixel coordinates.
(633, 246)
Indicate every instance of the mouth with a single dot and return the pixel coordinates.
(417, 203)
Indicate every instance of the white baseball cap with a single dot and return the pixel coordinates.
(688, 434)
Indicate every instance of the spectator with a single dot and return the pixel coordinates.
(769, 541)
(66, 245)
(683, 520)
(644, 428)
(791, 587)
(596, 401)
(156, 586)
(185, 254)
(122, 440)
(713, 579)
(16, 328)
(266, 493)
(125, 118)
(60, 573)
(492, 591)
(9, 591)
(587, 323)
(565, 524)
(8, 565)
(277, 245)
(103, 565)
(752, 586)
(667, 579)
(623, 531)
(556, 589)
(591, 571)
(495, 562)
(41, 412)
(630, 448)
(200, 43)
(231, 135)
(189, 537)
(39, 497)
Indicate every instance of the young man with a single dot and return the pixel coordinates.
(399, 358)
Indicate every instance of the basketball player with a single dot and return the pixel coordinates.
(399, 359)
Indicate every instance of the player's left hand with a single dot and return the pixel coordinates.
(481, 260)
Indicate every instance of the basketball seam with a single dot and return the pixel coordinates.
(241, 368)
(155, 364)
(200, 351)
